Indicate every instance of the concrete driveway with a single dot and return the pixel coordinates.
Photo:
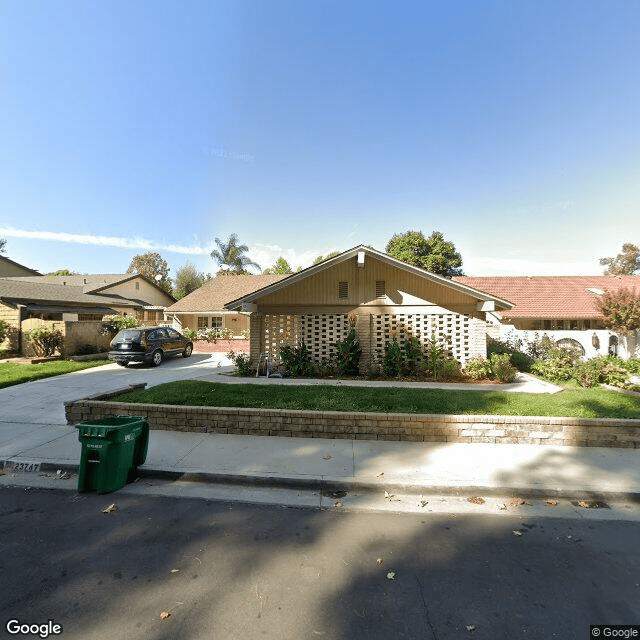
(42, 401)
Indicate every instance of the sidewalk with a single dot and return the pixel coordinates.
(29, 442)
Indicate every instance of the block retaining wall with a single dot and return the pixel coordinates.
(365, 426)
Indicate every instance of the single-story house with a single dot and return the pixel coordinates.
(77, 305)
(381, 297)
(562, 307)
(204, 308)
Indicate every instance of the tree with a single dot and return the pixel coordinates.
(62, 272)
(621, 311)
(3, 244)
(625, 263)
(320, 259)
(434, 253)
(281, 267)
(151, 265)
(188, 279)
(232, 254)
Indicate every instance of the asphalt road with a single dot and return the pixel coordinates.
(224, 570)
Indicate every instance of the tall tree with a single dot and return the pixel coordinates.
(151, 265)
(281, 267)
(232, 254)
(3, 244)
(187, 280)
(434, 253)
(621, 311)
(626, 263)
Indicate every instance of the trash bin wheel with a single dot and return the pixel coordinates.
(156, 357)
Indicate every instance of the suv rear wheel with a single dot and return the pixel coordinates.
(187, 351)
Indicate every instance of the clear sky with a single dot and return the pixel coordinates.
(513, 127)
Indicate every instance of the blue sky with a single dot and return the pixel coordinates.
(511, 127)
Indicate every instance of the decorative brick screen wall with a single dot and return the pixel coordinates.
(280, 330)
(320, 332)
(452, 331)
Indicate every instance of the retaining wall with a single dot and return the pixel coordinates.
(366, 426)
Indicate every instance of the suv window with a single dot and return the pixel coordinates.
(128, 334)
(173, 333)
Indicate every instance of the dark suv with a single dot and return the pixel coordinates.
(148, 344)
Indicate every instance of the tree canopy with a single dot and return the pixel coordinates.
(3, 244)
(281, 267)
(621, 311)
(151, 265)
(232, 254)
(187, 280)
(626, 263)
(320, 259)
(434, 253)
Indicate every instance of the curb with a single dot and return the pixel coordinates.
(339, 488)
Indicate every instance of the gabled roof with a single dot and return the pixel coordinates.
(91, 283)
(552, 296)
(17, 290)
(15, 265)
(368, 251)
(214, 294)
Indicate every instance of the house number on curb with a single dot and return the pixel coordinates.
(21, 466)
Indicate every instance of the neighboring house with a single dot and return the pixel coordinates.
(77, 304)
(562, 307)
(380, 297)
(10, 268)
(205, 308)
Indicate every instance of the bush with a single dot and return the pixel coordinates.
(519, 359)
(393, 359)
(436, 356)
(633, 365)
(192, 334)
(558, 366)
(242, 362)
(477, 369)
(348, 354)
(501, 367)
(449, 369)
(45, 341)
(4, 330)
(213, 335)
(113, 324)
(411, 355)
(296, 360)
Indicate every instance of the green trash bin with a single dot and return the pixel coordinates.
(111, 449)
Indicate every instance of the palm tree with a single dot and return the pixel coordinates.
(232, 254)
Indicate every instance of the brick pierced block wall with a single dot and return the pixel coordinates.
(368, 426)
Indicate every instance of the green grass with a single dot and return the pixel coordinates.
(12, 373)
(573, 402)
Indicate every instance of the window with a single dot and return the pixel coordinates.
(381, 291)
(203, 322)
(216, 322)
(343, 290)
(137, 286)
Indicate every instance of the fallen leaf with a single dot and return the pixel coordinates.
(327, 457)
(475, 500)
(471, 627)
(391, 575)
(175, 570)
(516, 502)
(551, 502)
(164, 615)
(110, 509)
(379, 475)
(517, 533)
(502, 507)
(423, 503)
(379, 560)
(387, 495)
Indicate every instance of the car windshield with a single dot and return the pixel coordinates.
(128, 334)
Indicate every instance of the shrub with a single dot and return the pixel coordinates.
(45, 341)
(449, 369)
(588, 374)
(213, 335)
(192, 334)
(242, 362)
(501, 367)
(558, 366)
(245, 333)
(113, 324)
(477, 368)
(296, 360)
(348, 354)
(633, 365)
(4, 330)
(411, 355)
(519, 359)
(393, 359)
(436, 355)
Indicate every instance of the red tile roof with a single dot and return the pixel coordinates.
(551, 296)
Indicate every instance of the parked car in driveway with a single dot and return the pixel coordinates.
(148, 344)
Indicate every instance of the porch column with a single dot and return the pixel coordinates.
(256, 339)
(363, 333)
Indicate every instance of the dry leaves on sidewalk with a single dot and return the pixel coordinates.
(164, 615)
(475, 500)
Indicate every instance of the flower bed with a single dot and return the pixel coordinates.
(238, 345)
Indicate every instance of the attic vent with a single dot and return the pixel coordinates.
(343, 290)
(381, 290)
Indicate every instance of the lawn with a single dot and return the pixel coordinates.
(572, 402)
(12, 373)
